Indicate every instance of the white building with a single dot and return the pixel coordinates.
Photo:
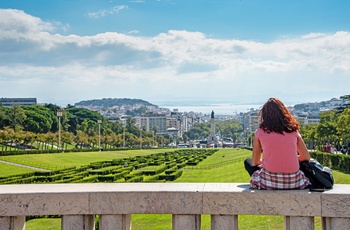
(311, 120)
(150, 122)
(10, 102)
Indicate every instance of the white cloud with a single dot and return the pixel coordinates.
(176, 62)
(16, 23)
(105, 12)
(134, 32)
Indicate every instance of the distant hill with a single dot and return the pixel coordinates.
(113, 102)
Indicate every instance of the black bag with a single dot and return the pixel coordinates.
(321, 177)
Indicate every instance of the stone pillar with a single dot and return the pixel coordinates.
(335, 223)
(224, 222)
(188, 222)
(298, 223)
(13, 223)
(78, 222)
(115, 222)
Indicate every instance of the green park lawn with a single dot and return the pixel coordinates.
(225, 166)
(8, 170)
(64, 160)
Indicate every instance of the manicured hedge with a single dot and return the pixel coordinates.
(135, 179)
(170, 177)
(339, 162)
(168, 164)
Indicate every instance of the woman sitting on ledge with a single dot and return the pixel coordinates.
(277, 150)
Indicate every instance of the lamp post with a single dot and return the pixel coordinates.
(59, 115)
(99, 134)
(140, 136)
(123, 135)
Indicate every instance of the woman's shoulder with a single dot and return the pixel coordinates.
(259, 132)
(294, 134)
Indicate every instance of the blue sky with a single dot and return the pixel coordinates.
(237, 51)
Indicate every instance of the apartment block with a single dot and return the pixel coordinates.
(10, 102)
(151, 121)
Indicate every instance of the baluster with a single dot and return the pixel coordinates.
(188, 222)
(335, 223)
(115, 222)
(224, 222)
(13, 223)
(78, 222)
(298, 222)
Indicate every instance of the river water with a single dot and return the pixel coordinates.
(206, 108)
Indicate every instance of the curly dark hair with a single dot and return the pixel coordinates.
(275, 117)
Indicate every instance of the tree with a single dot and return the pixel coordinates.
(39, 119)
(4, 118)
(309, 134)
(42, 121)
(67, 138)
(29, 138)
(230, 128)
(343, 125)
(76, 116)
(41, 138)
(327, 129)
(199, 131)
(81, 138)
(4, 138)
(17, 116)
(50, 139)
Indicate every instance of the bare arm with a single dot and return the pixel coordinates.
(256, 152)
(304, 154)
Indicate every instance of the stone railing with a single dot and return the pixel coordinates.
(78, 204)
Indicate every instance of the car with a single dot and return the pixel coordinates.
(182, 145)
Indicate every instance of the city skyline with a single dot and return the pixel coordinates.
(239, 52)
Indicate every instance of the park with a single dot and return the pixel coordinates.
(148, 166)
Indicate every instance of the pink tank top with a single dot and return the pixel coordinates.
(280, 152)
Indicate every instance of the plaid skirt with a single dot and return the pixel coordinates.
(263, 179)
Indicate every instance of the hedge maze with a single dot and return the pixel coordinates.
(159, 167)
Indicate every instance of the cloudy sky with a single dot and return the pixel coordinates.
(232, 51)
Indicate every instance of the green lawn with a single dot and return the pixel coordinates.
(8, 170)
(226, 165)
(62, 160)
(44, 224)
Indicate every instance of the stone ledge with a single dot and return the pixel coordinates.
(169, 198)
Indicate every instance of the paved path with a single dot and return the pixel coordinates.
(24, 166)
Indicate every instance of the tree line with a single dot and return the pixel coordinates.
(334, 128)
(22, 126)
(228, 128)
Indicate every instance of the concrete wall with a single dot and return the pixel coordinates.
(115, 202)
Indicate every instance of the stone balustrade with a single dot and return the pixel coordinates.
(78, 204)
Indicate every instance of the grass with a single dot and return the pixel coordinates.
(44, 224)
(8, 170)
(62, 160)
(226, 165)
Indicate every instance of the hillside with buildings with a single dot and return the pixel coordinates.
(113, 102)
(306, 113)
(162, 121)
(112, 108)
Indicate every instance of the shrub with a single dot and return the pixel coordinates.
(152, 179)
(104, 178)
(135, 179)
(170, 177)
